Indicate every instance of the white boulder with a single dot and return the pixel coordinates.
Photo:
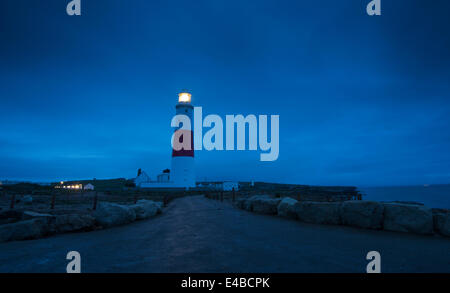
(27, 199)
(362, 214)
(263, 204)
(286, 208)
(441, 221)
(112, 214)
(71, 222)
(145, 209)
(318, 212)
(30, 229)
(408, 218)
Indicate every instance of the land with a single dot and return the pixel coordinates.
(51, 200)
(195, 234)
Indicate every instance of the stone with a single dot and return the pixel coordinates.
(145, 209)
(27, 199)
(23, 230)
(408, 218)
(247, 205)
(318, 212)
(441, 222)
(286, 208)
(11, 214)
(112, 214)
(239, 203)
(362, 214)
(27, 215)
(71, 223)
(263, 204)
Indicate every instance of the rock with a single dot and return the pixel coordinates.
(71, 223)
(362, 214)
(286, 208)
(112, 214)
(408, 218)
(145, 209)
(30, 229)
(247, 205)
(160, 206)
(441, 222)
(239, 203)
(318, 212)
(10, 216)
(263, 204)
(407, 202)
(27, 215)
(27, 199)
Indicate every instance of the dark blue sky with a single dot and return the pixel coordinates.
(362, 100)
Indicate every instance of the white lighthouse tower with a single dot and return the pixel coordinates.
(183, 169)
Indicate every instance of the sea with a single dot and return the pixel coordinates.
(433, 196)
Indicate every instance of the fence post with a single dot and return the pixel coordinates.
(136, 197)
(221, 195)
(234, 194)
(13, 201)
(95, 201)
(165, 200)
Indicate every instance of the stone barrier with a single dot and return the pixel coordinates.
(318, 212)
(441, 221)
(286, 208)
(398, 217)
(362, 214)
(408, 218)
(31, 225)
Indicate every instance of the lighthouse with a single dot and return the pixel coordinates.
(183, 170)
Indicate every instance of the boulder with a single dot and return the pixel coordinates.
(239, 203)
(441, 221)
(71, 223)
(10, 216)
(247, 204)
(318, 212)
(30, 229)
(263, 204)
(286, 208)
(27, 199)
(145, 209)
(362, 214)
(27, 215)
(112, 214)
(408, 218)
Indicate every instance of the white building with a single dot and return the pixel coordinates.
(142, 178)
(89, 186)
(164, 177)
(229, 185)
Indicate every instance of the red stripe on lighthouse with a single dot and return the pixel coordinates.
(182, 134)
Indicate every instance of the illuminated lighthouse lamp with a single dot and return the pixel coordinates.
(184, 98)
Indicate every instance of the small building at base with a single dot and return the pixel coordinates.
(229, 185)
(88, 186)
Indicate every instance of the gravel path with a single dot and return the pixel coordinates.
(195, 234)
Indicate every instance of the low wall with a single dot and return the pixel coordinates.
(398, 217)
(31, 225)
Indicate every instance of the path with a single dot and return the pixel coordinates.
(195, 234)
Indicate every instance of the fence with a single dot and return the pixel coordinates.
(65, 199)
